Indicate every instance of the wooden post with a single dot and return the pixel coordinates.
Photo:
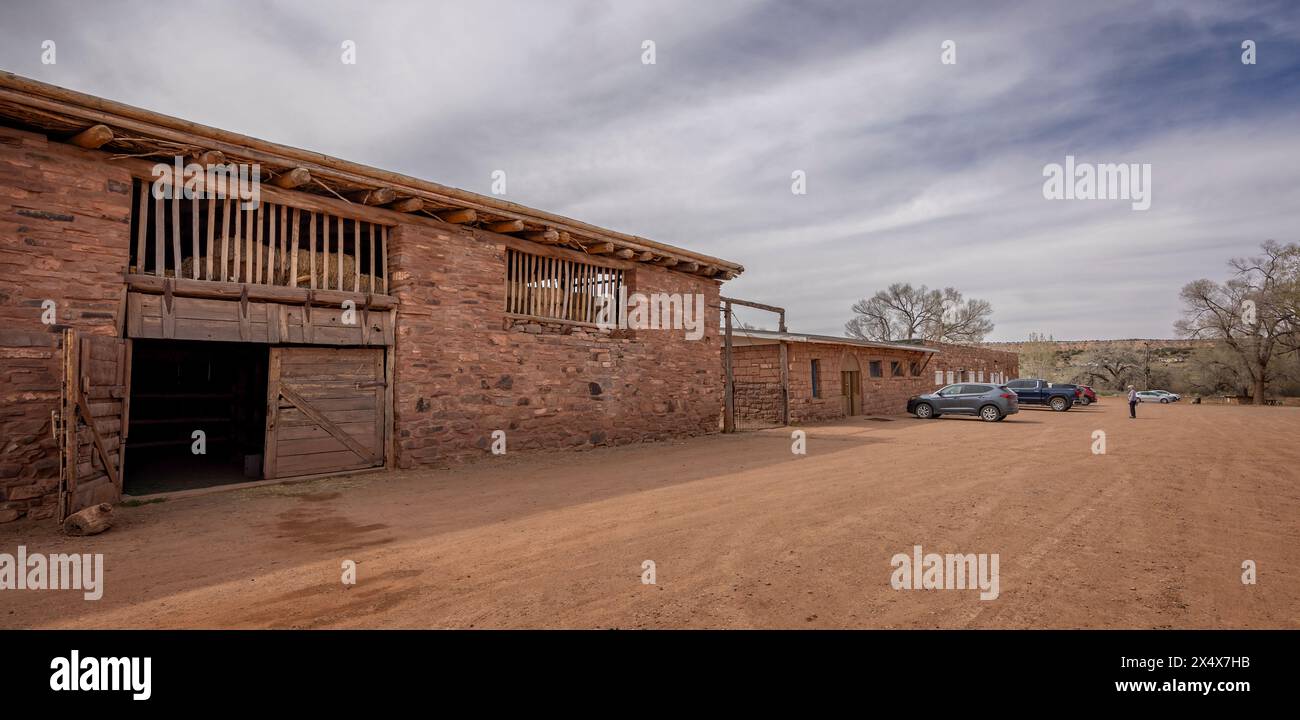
(272, 211)
(311, 253)
(339, 256)
(284, 245)
(325, 252)
(293, 249)
(269, 454)
(212, 227)
(194, 238)
(176, 232)
(729, 402)
(142, 215)
(390, 359)
(785, 375)
(356, 256)
(237, 240)
(383, 255)
(159, 240)
(225, 247)
(251, 226)
(258, 244)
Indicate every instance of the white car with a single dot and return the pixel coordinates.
(1159, 396)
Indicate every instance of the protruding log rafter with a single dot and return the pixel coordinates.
(92, 137)
(506, 226)
(378, 196)
(291, 179)
(545, 237)
(407, 205)
(457, 217)
(210, 157)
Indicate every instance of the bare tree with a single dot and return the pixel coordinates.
(1108, 367)
(1215, 370)
(961, 321)
(1038, 357)
(1248, 313)
(903, 312)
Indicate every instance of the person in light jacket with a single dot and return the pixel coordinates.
(1132, 402)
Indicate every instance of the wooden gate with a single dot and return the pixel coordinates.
(96, 399)
(328, 410)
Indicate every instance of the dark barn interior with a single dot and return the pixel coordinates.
(180, 387)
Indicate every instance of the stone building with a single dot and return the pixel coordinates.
(346, 319)
(835, 377)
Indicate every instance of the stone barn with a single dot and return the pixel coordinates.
(835, 377)
(183, 307)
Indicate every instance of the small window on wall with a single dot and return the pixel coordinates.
(816, 378)
(951, 379)
(895, 368)
(914, 368)
(876, 369)
(938, 377)
(981, 376)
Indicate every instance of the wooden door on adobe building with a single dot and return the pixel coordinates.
(850, 392)
(328, 410)
(92, 435)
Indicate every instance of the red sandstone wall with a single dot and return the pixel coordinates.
(757, 378)
(64, 233)
(463, 370)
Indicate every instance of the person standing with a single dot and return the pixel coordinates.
(1132, 403)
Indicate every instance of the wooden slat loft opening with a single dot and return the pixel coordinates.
(219, 240)
(552, 288)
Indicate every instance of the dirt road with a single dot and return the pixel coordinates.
(742, 532)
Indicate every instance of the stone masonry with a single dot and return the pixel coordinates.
(64, 227)
(757, 373)
(463, 368)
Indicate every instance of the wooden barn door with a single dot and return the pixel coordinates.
(327, 411)
(96, 393)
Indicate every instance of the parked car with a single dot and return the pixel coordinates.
(1032, 391)
(1173, 397)
(1086, 395)
(1159, 396)
(991, 403)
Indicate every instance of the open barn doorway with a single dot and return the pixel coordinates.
(197, 415)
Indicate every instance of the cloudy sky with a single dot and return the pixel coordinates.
(917, 171)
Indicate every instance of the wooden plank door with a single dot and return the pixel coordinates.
(96, 401)
(850, 395)
(326, 411)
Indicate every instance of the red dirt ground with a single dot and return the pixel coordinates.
(743, 533)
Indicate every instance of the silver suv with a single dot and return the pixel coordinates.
(990, 402)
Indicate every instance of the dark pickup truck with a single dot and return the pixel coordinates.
(1041, 392)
